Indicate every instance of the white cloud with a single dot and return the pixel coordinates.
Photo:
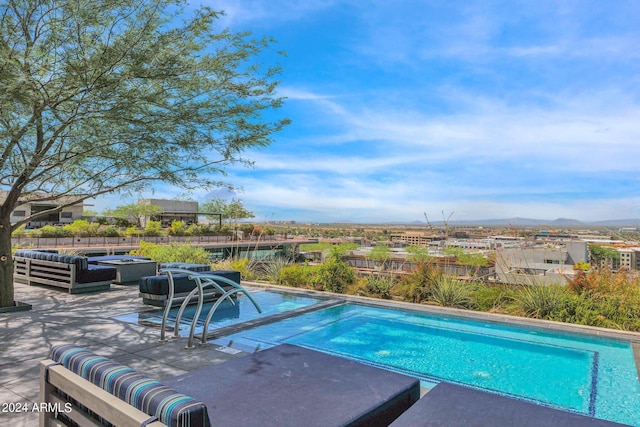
(595, 132)
(252, 12)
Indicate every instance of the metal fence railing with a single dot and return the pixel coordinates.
(83, 242)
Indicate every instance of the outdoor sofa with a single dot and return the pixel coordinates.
(282, 386)
(154, 290)
(72, 272)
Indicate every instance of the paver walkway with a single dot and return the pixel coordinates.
(86, 320)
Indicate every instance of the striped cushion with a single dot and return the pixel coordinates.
(198, 268)
(149, 396)
(79, 261)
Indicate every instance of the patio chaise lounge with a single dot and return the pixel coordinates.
(282, 386)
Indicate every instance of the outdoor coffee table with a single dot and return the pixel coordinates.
(129, 271)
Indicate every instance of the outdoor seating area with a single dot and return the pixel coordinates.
(71, 272)
(96, 273)
(283, 386)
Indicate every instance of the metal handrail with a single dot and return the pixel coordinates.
(170, 298)
(236, 288)
(203, 280)
(199, 289)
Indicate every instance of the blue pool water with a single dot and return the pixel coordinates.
(588, 375)
(226, 314)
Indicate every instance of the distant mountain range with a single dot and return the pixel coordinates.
(529, 222)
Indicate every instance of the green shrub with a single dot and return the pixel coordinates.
(178, 228)
(82, 227)
(298, 276)
(133, 231)
(450, 292)
(378, 286)
(152, 228)
(247, 229)
(334, 275)
(173, 252)
(53, 231)
(109, 231)
(102, 220)
(246, 267)
(19, 232)
(201, 230)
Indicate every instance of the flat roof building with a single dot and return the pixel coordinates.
(34, 205)
(172, 210)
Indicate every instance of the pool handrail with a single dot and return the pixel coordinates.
(170, 297)
(199, 289)
(236, 288)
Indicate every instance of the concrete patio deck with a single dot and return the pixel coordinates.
(86, 320)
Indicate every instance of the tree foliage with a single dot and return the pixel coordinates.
(380, 254)
(112, 96)
(231, 212)
(419, 254)
(134, 211)
(602, 255)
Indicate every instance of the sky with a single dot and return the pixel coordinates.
(474, 109)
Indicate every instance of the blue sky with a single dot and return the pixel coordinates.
(487, 109)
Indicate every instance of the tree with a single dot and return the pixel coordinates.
(231, 212)
(134, 210)
(106, 97)
(604, 256)
(419, 255)
(380, 254)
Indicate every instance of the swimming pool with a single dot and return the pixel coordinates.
(227, 314)
(588, 375)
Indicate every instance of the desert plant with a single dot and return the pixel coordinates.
(378, 286)
(246, 266)
(492, 298)
(542, 302)
(419, 255)
(448, 291)
(416, 286)
(272, 267)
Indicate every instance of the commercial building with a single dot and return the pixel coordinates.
(540, 264)
(172, 210)
(415, 238)
(31, 207)
(630, 258)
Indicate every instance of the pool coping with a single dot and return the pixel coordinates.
(632, 337)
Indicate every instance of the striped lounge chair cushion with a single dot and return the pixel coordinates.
(149, 396)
